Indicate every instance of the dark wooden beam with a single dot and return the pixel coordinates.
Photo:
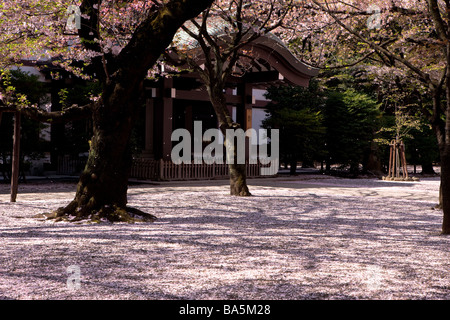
(262, 77)
(203, 96)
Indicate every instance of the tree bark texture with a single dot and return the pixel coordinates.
(237, 171)
(445, 190)
(102, 188)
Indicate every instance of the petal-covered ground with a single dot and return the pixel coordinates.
(309, 237)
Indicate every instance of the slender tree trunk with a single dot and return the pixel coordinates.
(237, 171)
(427, 168)
(238, 180)
(328, 166)
(293, 166)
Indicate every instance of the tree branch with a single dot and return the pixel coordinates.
(350, 64)
(90, 27)
(69, 114)
(152, 36)
(439, 23)
(422, 75)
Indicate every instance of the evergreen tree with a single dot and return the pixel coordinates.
(351, 119)
(296, 112)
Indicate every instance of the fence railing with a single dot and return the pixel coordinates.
(69, 166)
(145, 169)
(167, 170)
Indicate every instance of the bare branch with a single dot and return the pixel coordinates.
(69, 114)
(422, 75)
(439, 23)
(365, 57)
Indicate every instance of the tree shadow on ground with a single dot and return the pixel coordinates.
(318, 237)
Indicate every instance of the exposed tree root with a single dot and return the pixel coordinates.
(241, 193)
(74, 213)
(238, 181)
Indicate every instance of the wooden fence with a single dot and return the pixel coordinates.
(167, 170)
(68, 166)
(144, 169)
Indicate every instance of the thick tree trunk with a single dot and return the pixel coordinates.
(102, 189)
(439, 128)
(103, 185)
(444, 149)
(445, 190)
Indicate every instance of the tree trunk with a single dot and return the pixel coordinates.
(438, 127)
(103, 185)
(427, 168)
(445, 190)
(237, 171)
(293, 166)
(444, 148)
(238, 180)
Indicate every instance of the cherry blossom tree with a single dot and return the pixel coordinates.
(120, 40)
(215, 46)
(406, 41)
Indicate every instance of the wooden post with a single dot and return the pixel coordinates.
(161, 169)
(149, 127)
(397, 161)
(405, 168)
(15, 158)
(391, 149)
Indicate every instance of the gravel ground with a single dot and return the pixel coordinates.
(310, 237)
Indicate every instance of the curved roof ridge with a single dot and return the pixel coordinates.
(268, 47)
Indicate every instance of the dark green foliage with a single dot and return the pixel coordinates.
(421, 148)
(296, 112)
(32, 146)
(351, 119)
(338, 126)
(78, 133)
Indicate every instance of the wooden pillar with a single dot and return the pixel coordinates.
(149, 129)
(15, 158)
(57, 130)
(189, 119)
(245, 118)
(167, 128)
(248, 102)
(163, 120)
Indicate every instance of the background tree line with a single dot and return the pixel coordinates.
(345, 122)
